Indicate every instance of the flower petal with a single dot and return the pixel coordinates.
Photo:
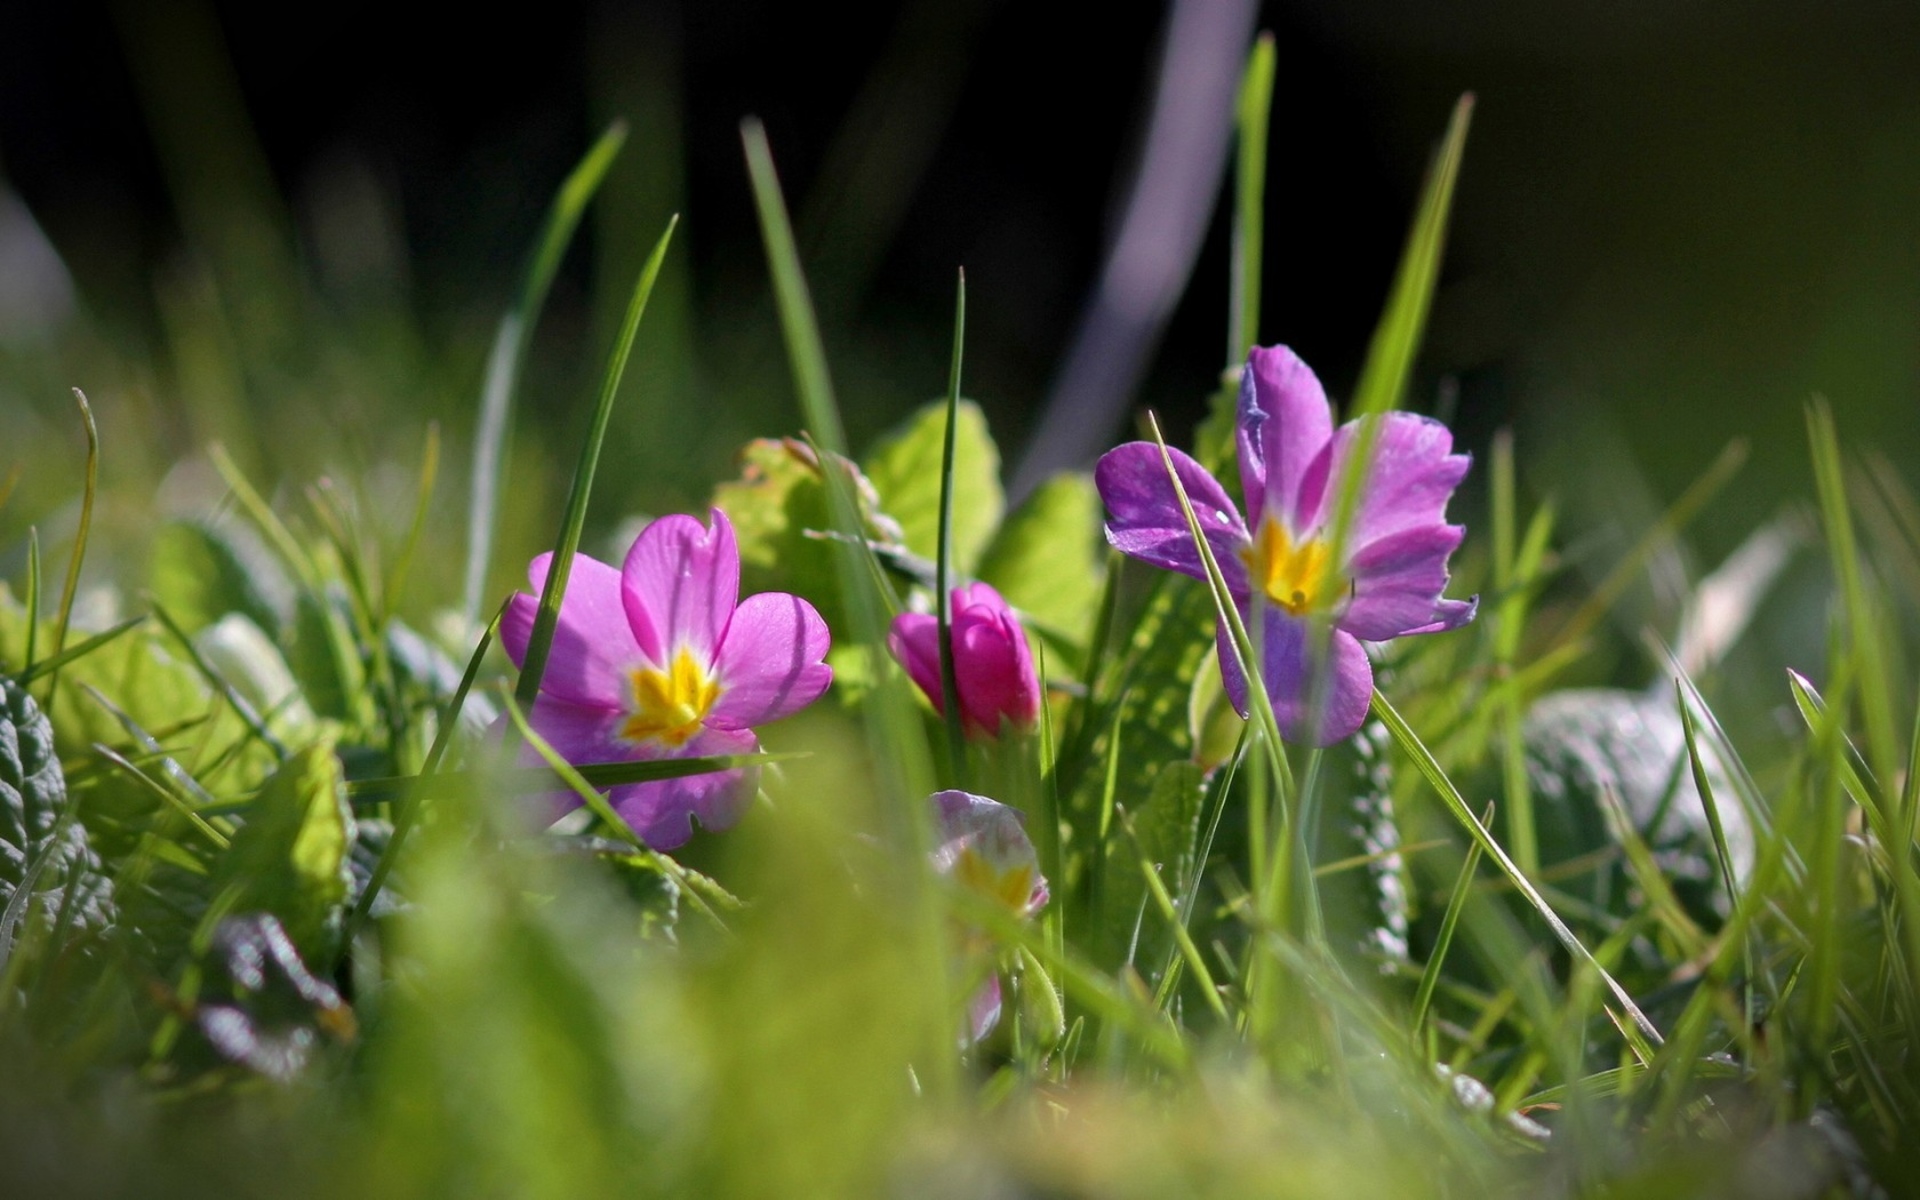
(992, 663)
(593, 644)
(914, 642)
(1146, 521)
(662, 812)
(1398, 581)
(578, 733)
(1342, 697)
(769, 661)
(1284, 421)
(680, 583)
(1410, 480)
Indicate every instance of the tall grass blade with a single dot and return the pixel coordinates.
(902, 748)
(1443, 941)
(1423, 758)
(407, 813)
(71, 653)
(1249, 200)
(507, 359)
(1678, 516)
(1862, 625)
(901, 754)
(540, 641)
(943, 566)
(72, 586)
(1396, 342)
(34, 577)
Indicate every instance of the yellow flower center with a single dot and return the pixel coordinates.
(1295, 577)
(670, 705)
(1012, 887)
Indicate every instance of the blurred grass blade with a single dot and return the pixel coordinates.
(1249, 201)
(72, 586)
(1678, 516)
(1862, 625)
(1456, 904)
(506, 362)
(1170, 913)
(540, 641)
(407, 813)
(805, 352)
(1415, 749)
(899, 742)
(527, 780)
(241, 707)
(34, 578)
(1396, 342)
(943, 565)
(423, 498)
(71, 653)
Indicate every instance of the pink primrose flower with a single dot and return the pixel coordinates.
(661, 659)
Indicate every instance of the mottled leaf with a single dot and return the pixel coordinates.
(905, 469)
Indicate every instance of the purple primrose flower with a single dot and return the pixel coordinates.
(992, 664)
(1393, 567)
(661, 659)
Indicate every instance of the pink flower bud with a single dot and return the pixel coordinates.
(992, 666)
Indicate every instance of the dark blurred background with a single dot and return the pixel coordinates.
(294, 229)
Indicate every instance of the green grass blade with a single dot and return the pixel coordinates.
(32, 649)
(407, 814)
(540, 641)
(587, 790)
(71, 653)
(898, 738)
(1423, 758)
(537, 779)
(943, 566)
(806, 353)
(423, 498)
(1396, 342)
(504, 363)
(1249, 207)
(1157, 888)
(72, 586)
(218, 682)
(1456, 903)
(1678, 516)
(1862, 626)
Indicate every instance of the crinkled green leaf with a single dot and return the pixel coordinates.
(778, 506)
(905, 469)
(41, 846)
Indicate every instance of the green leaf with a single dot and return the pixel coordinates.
(200, 574)
(290, 858)
(1166, 828)
(778, 505)
(905, 469)
(324, 661)
(1047, 559)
